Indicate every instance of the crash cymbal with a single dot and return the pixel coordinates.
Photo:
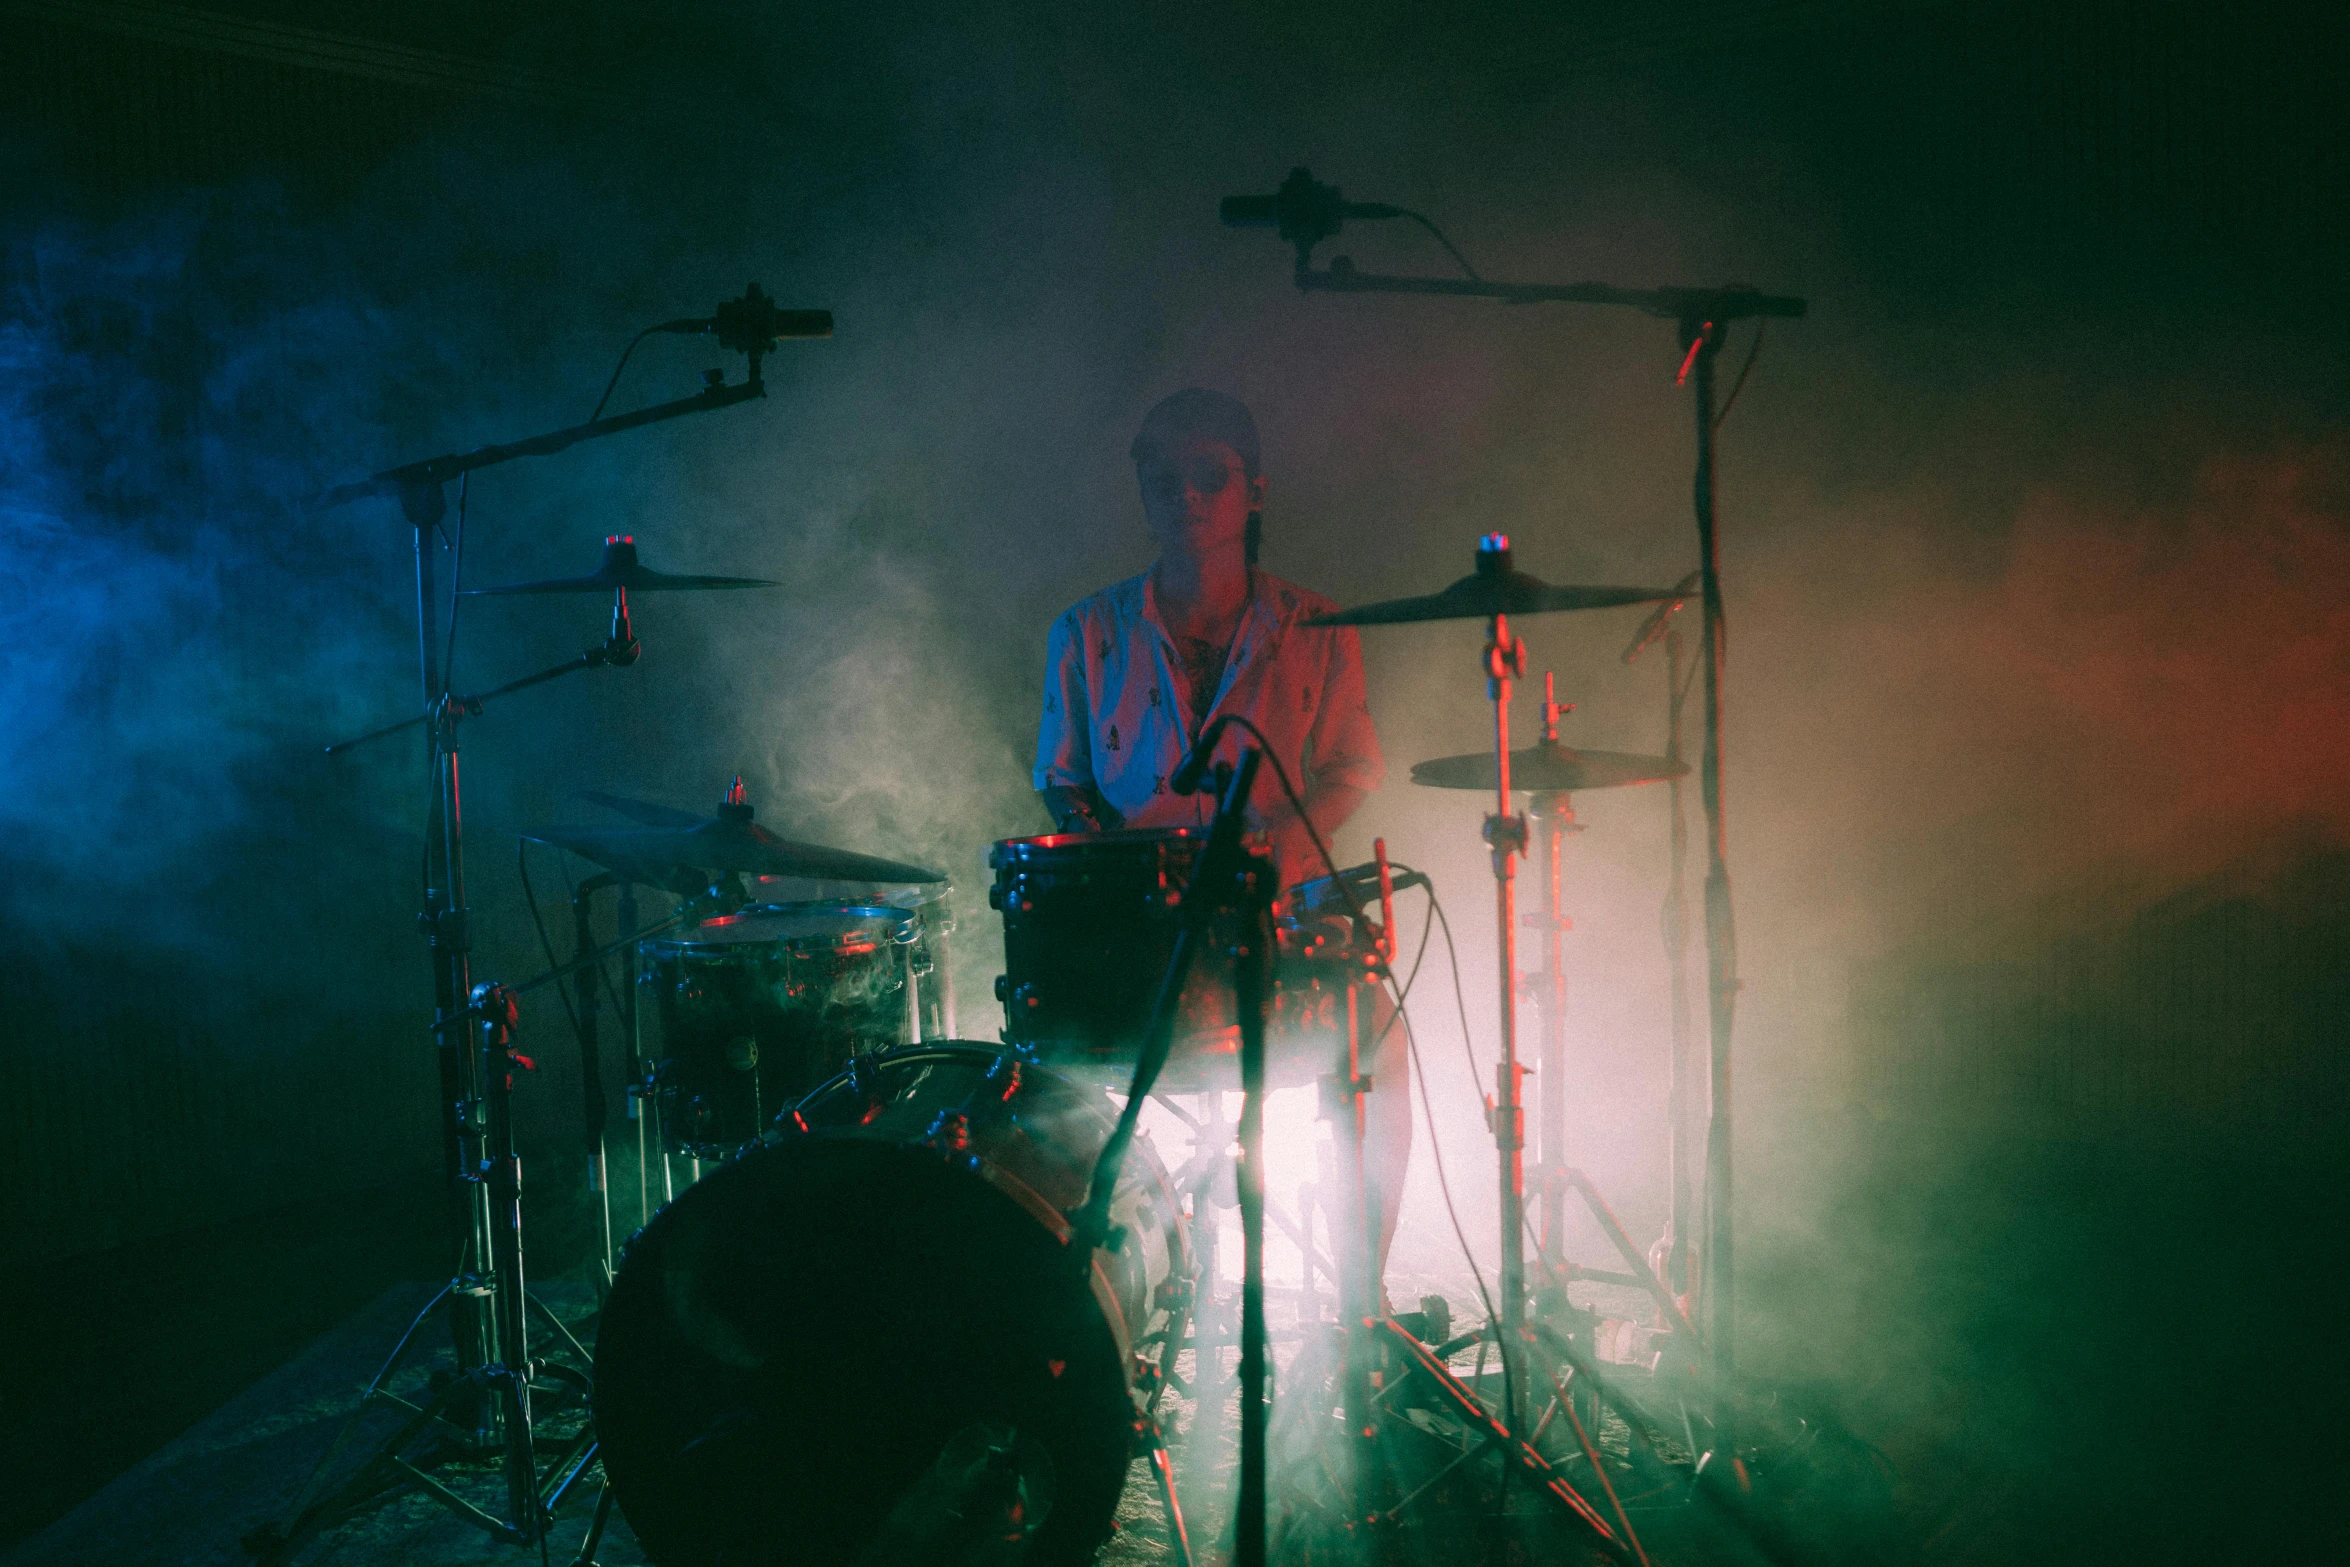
(1548, 768)
(621, 570)
(731, 841)
(1494, 589)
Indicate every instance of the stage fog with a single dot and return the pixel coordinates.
(2038, 655)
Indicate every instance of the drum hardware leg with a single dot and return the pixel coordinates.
(1675, 914)
(1562, 1349)
(587, 982)
(913, 986)
(640, 1110)
(1566, 1406)
(595, 1533)
(631, 983)
(1518, 1455)
(1300, 1233)
(942, 984)
(575, 1462)
(1554, 812)
(1154, 1445)
(502, 1169)
(1355, 1239)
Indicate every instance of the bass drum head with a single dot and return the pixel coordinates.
(839, 1349)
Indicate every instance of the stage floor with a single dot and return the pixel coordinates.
(191, 1503)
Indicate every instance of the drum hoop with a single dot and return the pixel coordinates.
(1154, 1172)
(903, 929)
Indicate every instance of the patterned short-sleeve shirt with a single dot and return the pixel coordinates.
(1118, 706)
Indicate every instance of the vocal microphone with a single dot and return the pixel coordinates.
(1654, 626)
(1194, 766)
(1304, 209)
(753, 321)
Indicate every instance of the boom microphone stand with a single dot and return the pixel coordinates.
(1306, 212)
(1227, 882)
(488, 1332)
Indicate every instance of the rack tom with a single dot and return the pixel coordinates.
(1090, 920)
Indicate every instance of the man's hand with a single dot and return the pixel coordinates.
(1077, 808)
(1328, 807)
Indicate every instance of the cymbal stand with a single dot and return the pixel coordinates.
(1308, 213)
(1505, 833)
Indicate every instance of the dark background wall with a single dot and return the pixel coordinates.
(2035, 550)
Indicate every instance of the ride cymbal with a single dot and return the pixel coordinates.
(1494, 589)
(622, 571)
(1547, 768)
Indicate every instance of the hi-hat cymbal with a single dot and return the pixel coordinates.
(731, 841)
(621, 570)
(1494, 589)
(1548, 767)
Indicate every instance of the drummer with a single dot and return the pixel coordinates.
(1134, 673)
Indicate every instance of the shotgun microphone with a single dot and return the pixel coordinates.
(753, 319)
(1304, 209)
(1654, 626)
(1194, 766)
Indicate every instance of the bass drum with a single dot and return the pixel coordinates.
(866, 1339)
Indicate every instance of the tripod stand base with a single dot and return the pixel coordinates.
(451, 1445)
(1430, 1465)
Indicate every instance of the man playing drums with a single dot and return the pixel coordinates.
(1135, 673)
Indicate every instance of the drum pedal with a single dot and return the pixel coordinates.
(1431, 1324)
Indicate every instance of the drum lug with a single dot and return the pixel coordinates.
(950, 1133)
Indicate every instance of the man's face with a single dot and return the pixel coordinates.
(1196, 497)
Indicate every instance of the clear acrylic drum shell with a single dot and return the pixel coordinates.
(758, 1006)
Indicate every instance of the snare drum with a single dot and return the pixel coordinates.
(759, 1006)
(1090, 920)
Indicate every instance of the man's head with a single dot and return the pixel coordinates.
(1196, 459)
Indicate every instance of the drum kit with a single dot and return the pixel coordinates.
(896, 1294)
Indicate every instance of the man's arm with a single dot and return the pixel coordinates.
(1343, 761)
(1064, 737)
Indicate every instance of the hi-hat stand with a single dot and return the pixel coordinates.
(486, 1302)
(1307, 212)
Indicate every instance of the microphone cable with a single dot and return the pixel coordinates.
(1429, 224)
(616, 369)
